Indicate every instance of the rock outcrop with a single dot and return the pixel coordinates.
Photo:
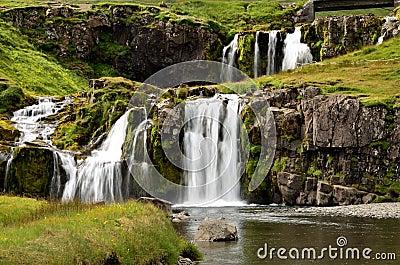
(134, 40)
(332, 36)
(215, 230)
(331, 150)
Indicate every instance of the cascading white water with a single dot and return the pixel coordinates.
(99, 177)
(62, 161)
(228, 57)
(8, 166)
(257, 56)
(211, 150)
(296, 53)
(388, 22)
(29, 120)
(272, 40)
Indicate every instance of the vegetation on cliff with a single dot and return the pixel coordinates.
(27, 72)
(373, 74)
(39, 232)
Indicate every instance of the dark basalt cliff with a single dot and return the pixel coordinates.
(131, 40)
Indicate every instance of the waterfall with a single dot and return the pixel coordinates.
(8, 166)
(99, 177)
(385, 32)
(296, 53)
(64, 164)
(272, 40)
(257, 56)
(29, 120)
(211, 150)
(228, 57)
(137, 158)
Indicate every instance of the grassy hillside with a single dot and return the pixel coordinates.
(38, 74)
(372, 73)
(39, 232)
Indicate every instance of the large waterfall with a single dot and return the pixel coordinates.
(211, 148)
(296, 53)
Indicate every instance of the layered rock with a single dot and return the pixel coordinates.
(331, 150)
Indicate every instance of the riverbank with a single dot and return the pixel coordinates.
(374, 210)
(42, 232)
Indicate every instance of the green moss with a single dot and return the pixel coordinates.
(89, 120)
(8, 132)
(312, 171)
(383, 144)
(280, 164)
(31, 171)
(245, 53)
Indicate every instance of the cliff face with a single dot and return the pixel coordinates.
(135, 41)
(331, 149)
(332, 36)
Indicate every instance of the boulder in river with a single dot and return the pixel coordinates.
(215, 230)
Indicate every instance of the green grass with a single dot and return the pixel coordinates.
(373, 74)
(53, 233)
(33, 71)
(376, 11)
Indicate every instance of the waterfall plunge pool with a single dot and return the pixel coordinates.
(283, 227)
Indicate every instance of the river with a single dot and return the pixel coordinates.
(283, 227)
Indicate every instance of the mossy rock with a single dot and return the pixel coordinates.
(8, 132)
(31, 171)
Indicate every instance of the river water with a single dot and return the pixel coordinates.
(283, 227)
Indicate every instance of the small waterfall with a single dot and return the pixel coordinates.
(211, 150)
(272, 40)
(137, 159)
(228, 57)
(8, 166)
(257, 57)
(64, 165)
(99, 177)
(296, 53)
(387, 29)
(29, 120)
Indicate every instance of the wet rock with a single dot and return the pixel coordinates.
(215, 230)
(164, 205)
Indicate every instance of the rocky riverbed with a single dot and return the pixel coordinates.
(376, 210)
